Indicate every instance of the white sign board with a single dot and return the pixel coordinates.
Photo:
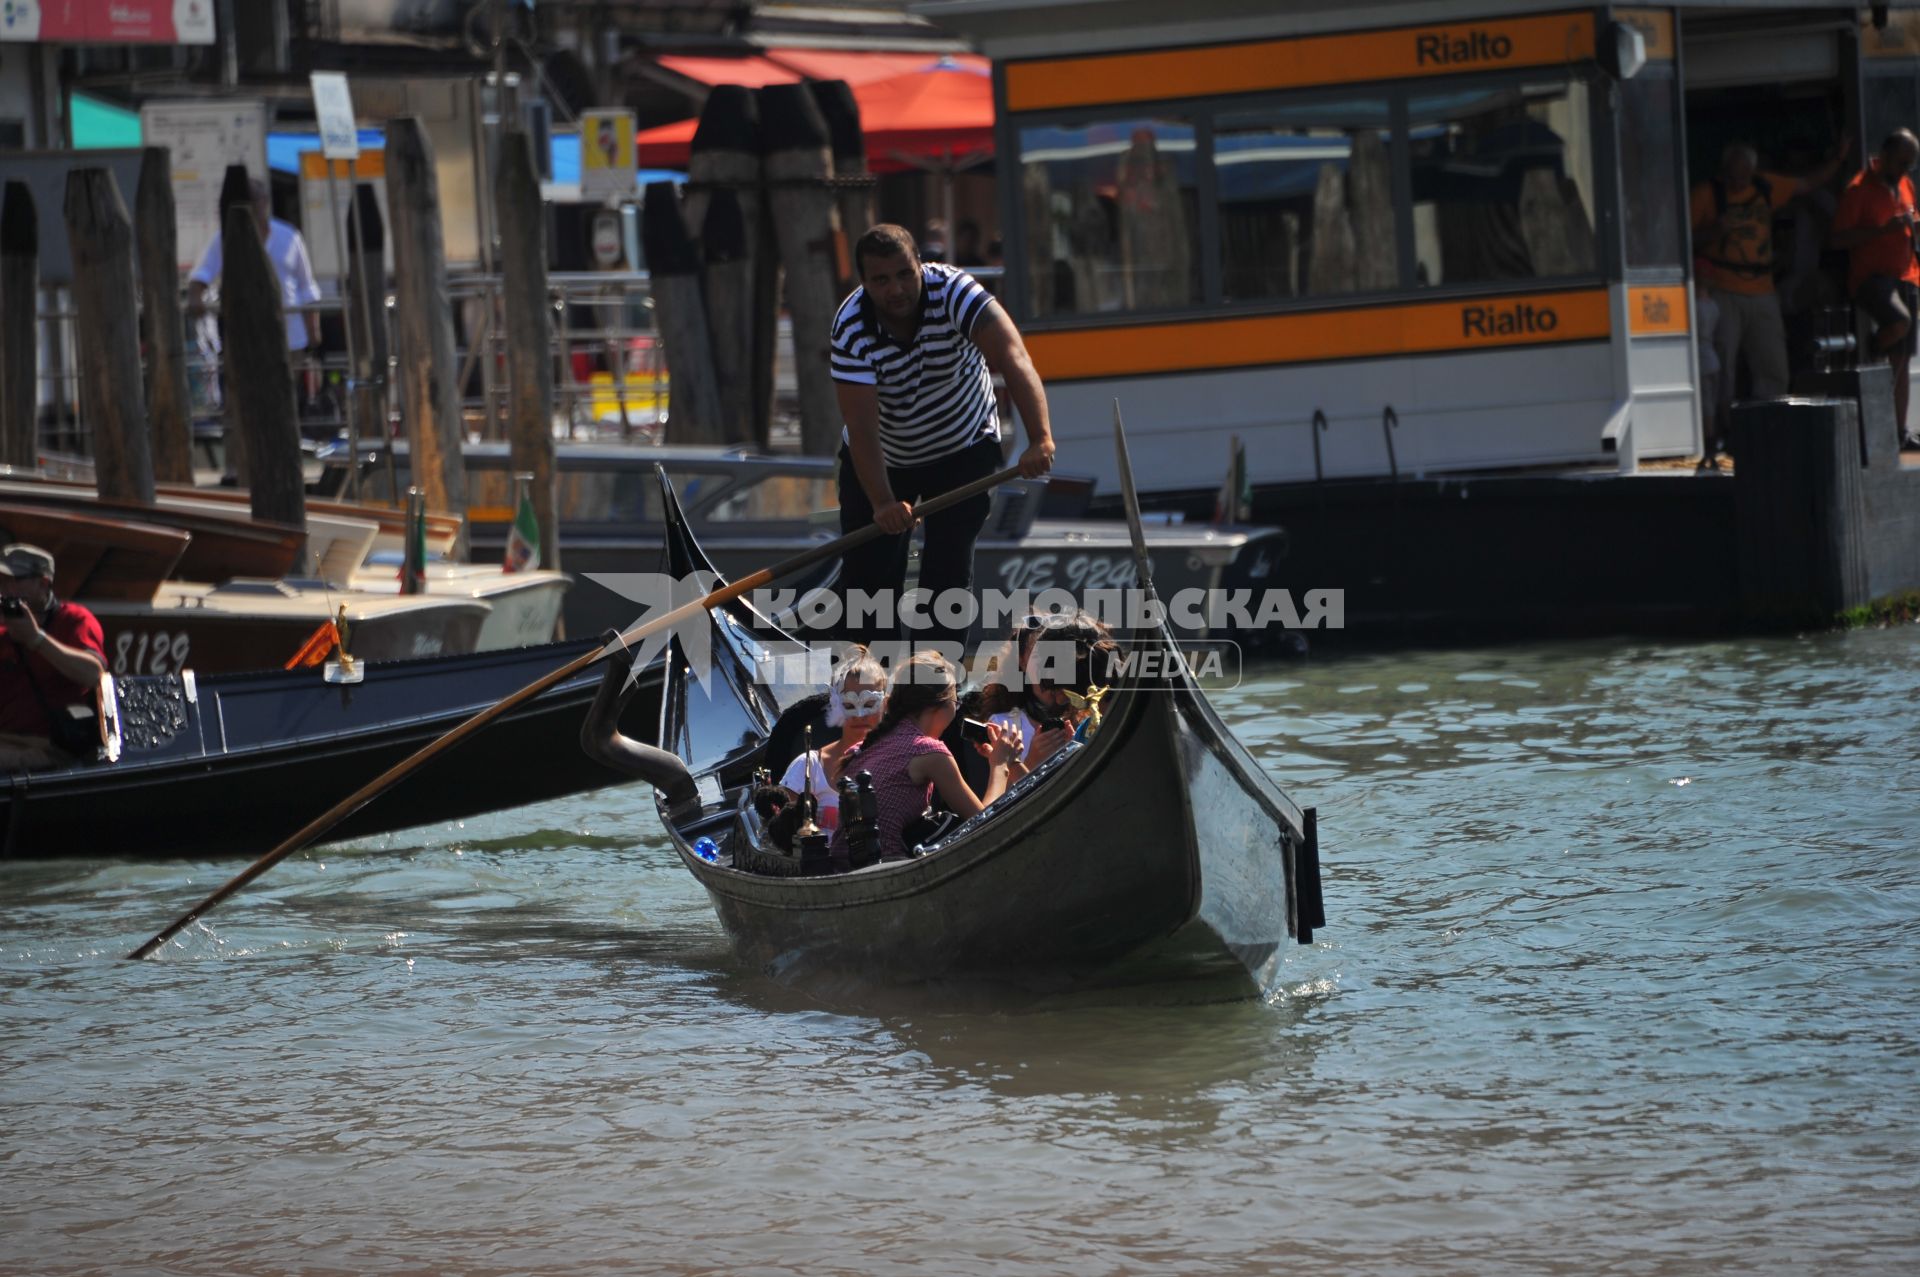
(202, 139)
(333, 107)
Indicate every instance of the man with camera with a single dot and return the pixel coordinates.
(52, 655)
(1875, 224)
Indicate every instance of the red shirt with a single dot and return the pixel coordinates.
(20, 712)
(1868, 202)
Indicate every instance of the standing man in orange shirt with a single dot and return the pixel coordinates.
(1875, 224)
(1733, 231)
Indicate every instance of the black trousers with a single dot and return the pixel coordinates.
(946, 556)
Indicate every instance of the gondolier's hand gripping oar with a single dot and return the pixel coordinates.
(393, 775)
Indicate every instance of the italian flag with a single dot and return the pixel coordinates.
(523, 539)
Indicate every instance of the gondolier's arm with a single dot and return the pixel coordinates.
(1006, 354)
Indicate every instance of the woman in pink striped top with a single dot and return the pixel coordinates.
(909, 763)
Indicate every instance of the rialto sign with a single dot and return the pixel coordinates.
(107, 21)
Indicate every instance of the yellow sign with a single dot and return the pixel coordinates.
(1405, 52)
(371, 166)
(607, 161)
(1362, 332)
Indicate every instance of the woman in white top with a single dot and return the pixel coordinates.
(855, 699)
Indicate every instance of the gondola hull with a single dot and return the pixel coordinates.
(1158, 846)
(1098, 861)
(243, 760)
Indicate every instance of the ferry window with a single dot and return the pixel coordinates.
(1650, 184)
(1111, 215)
(779, 496)
(1306, 200)
(1502, 183)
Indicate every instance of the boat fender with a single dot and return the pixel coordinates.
(601, 738)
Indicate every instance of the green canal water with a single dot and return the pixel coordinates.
(1618, 978)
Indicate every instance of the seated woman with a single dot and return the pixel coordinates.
(856, 696)
(1048, 683)
(909, 764)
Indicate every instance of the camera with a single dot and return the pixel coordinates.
(12, 605)
(1047, 724)
(972, 729)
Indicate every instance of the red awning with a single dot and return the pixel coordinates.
(938, 113)
(859, 67)
(751, 71)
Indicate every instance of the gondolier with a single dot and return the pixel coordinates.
(915, 348)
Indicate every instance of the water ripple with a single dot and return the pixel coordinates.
(1570, 1015)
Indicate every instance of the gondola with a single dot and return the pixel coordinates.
(231, 764)
(1158, 847)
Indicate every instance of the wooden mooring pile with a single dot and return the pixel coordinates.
(778, 190)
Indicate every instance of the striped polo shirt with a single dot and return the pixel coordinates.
(936, 393)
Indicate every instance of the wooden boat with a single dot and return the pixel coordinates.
(1158, 846)
(95, 557)
(521, 608)
(232, 764)
(245, 625)
(222, 547)
(119, 566)
(391, 521)
(442, 529)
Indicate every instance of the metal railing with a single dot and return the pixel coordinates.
(610, 374)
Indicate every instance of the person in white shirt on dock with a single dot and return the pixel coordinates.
(291, 266)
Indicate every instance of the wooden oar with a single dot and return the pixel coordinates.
(726, 594)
